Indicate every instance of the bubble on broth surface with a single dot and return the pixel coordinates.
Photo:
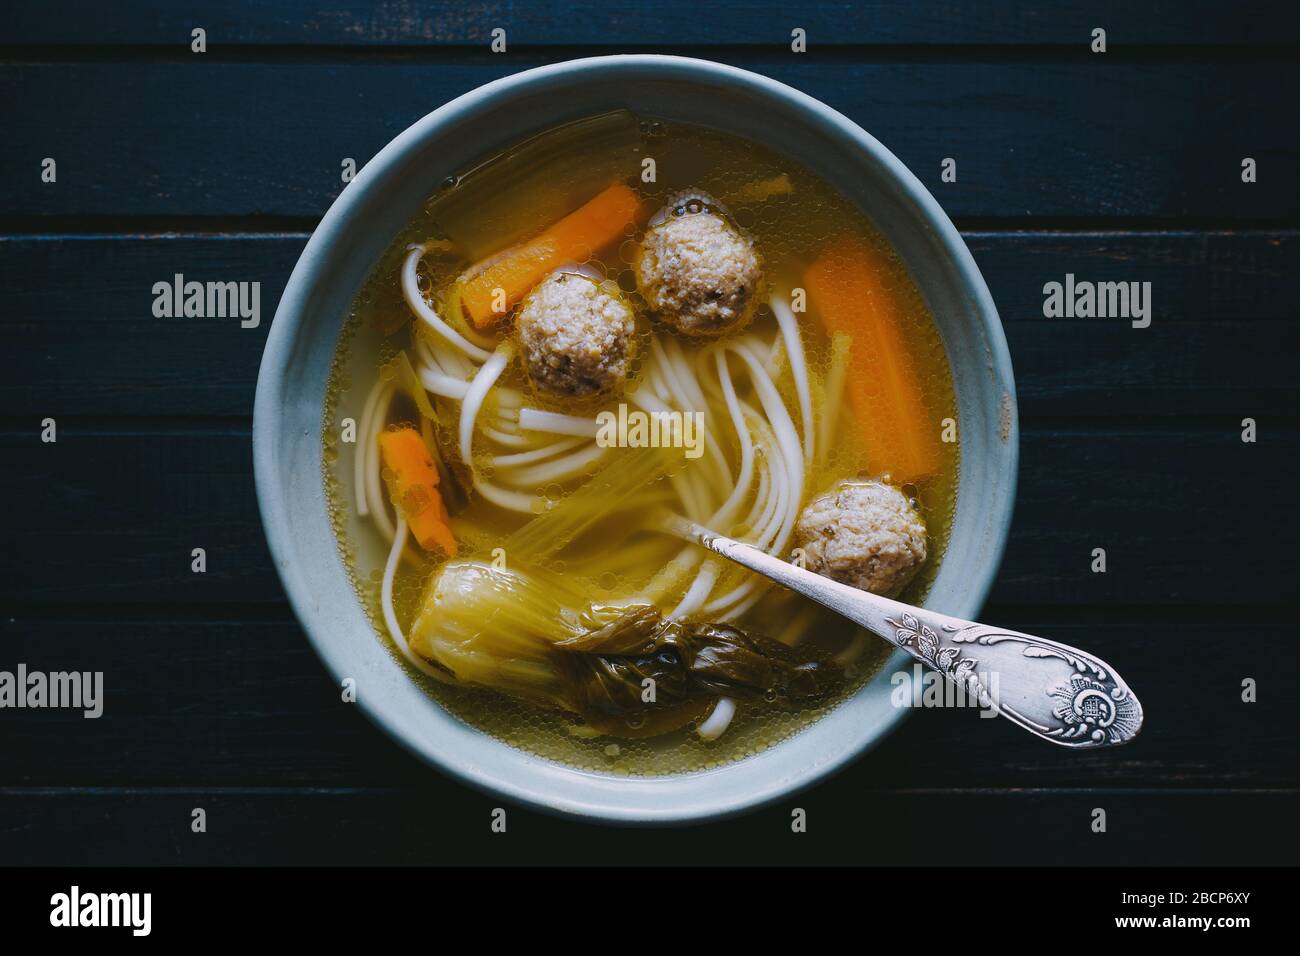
(788, 229)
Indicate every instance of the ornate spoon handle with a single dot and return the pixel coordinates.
(1058, 692)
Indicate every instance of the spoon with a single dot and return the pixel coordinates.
(1058, 692)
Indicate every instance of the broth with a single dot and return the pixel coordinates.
(790, 215)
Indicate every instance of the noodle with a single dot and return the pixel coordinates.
(719, 720)
(794, 347)
(510, 407)
(375, 497)
(364, 440)
(477, 391)
(532, 419)
(560, 470)
(536, 454)
(415, 299)
(390, 615)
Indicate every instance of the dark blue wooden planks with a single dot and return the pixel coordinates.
(862, 826)
(1098, 139)
(1222, 340)
(128, 508)
(210, 700)
(111, 513)
(215, 698)
(92, 344)
(308, 23)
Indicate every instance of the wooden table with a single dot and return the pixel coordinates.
(1116, 166)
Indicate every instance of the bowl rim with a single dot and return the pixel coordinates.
(291, 313)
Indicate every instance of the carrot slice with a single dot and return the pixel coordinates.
(585, 231)
(412, 479)
(845, 288)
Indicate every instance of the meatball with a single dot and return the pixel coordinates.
(577, 338)
(695, 269)
(865, 534)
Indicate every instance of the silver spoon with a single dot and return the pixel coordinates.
(1058, 692)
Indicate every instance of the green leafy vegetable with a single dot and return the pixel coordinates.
(686, 661)
(533, 636)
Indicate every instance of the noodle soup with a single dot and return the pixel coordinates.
(616, 322)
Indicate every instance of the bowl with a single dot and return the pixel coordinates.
(287, 420)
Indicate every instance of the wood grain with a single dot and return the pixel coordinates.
(865, 826)
(203, 138)
(1123, 167)
(1185, 515)
(202, 701)
(317, 23)
(1221, 341)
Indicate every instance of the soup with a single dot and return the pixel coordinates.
(615, 323)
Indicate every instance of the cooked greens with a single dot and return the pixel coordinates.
(688, 245)
(532, 635)
(607, 669)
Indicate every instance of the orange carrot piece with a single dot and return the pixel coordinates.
(412, 479)
(585, 231)
(845, 289)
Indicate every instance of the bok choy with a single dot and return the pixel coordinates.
(533, 636)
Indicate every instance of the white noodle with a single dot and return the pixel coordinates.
(684, 389)
(773, 364)
(765, 525)
(761, 496)
(787, 475)
(755, 589)
(478, 389)
(687, 380)
(415, 299)
(390, 615)
(724, 514)
(794, 346)
(504, 498)
(560, 470)
(425, 354)
(762, 467)
(699, 590)
(449, 386)
(364, 440)
(653, 405)
(506, 438)
(664, 365)
(535, 455)
(375, 496)
(682, 563)
(439, 383)
(687, 493)
(786, 437)
(655, 380)
(536, 420)
(719, 720)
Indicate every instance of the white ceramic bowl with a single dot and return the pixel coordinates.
(385, 196)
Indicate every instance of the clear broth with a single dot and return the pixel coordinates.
(788, 230)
